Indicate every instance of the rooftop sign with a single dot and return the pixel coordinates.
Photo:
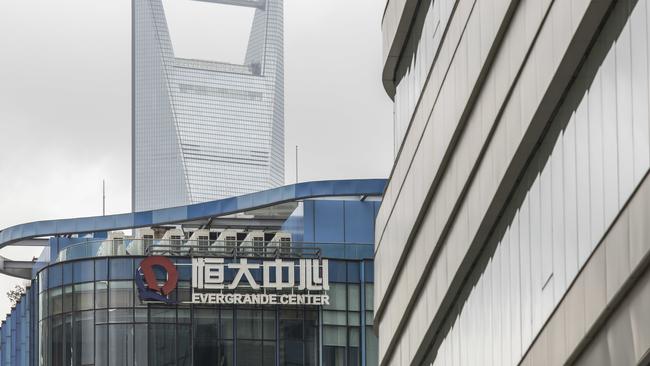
(283, 282)
(278, 277)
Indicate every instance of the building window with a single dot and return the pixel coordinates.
(334, 343)
(98, 323)
(184, 345)
(120, 344)
(121, 294)
(140, 352)
(101, 294)
(101, 342)
(291, 337)
(84, 338)
(206, 337)
(56, 300)
(162, 344)
(84, 295)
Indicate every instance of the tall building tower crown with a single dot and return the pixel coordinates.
(204, 130)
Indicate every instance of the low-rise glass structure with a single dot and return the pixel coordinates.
(88, 303)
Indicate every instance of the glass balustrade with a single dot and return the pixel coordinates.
(182, 247)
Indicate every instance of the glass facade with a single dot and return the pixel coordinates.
(17, 340)
(204, 130)
(84, 307)
(101, 321)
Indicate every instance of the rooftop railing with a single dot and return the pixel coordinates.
(214, 248)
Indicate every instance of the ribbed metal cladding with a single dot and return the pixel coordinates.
(503, 233)
(205, 130)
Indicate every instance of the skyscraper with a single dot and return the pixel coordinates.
(204, 130)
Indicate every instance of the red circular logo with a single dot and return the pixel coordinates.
(150, 289)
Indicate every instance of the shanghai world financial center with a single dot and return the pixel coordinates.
(204, 130)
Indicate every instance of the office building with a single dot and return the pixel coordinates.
(202, 129)
(277, 277)
(515, 225)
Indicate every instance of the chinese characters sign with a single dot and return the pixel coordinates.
(284, 282)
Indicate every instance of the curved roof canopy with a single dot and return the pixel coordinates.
(22, 233)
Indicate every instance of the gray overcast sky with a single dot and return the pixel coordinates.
(65, 99)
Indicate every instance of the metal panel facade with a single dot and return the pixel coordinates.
(512, 166)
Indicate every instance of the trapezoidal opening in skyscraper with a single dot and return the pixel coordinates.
(201, 30)
(208, 118)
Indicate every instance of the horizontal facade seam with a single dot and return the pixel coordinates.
(398, 155)
(457, 205)
(408, 130)
(383, 13)
(636, 273)
(435, 185)
(513, 175)
(392, 49)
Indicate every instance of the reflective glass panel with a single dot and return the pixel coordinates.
(121, 294)
(56, 300)
(84, 336)
(101, 342)
(249, 324)
(84, 296)
(248, 352)
(162, 342)
(120, 344)
(141, 335)
(206, 337)
(101, 294)
(184, 345)
(226, 323)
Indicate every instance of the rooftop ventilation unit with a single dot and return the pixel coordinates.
(253, 244)
(172, 241)
(199, 240)
(143, 240)
(282, 242)
(227, 242)
(113, 245)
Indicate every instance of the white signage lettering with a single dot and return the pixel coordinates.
(310, 276)
(278, 265)
(207, 273)
(244, 270)
(209, 281)
(260, 299)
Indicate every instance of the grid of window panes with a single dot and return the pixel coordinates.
(204, 130)
(16, 338)
(89, 314)
(342, 326)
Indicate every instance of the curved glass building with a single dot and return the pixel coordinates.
(278, 277)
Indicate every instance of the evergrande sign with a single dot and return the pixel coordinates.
(284, 282)
(280, 283)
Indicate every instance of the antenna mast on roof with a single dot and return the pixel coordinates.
(296, 163)
(103, 197)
